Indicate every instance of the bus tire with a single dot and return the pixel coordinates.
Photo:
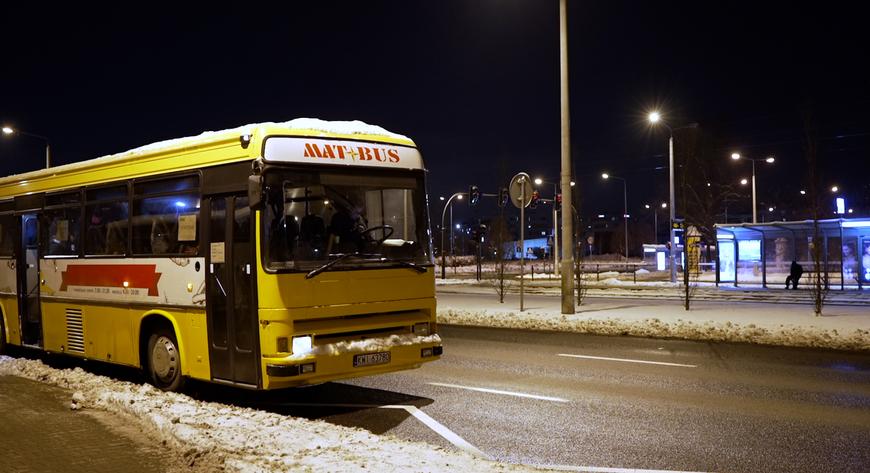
(2, 335)
(164, 360)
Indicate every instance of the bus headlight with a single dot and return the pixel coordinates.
(421, 329)
(301, 344)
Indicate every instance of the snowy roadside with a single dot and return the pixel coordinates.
(843, 328)
(224, 437)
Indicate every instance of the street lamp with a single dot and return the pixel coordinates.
(769, 159)
(624, 207)
(457, 196)
(656, 118)
(565, 161)
(538, 182)
(655, 219)
(7, 130)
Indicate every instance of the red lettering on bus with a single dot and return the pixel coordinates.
(365, 154)
(312, 151)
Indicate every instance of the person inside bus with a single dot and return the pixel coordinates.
(96, 238)
(312, 230)
(161, 237)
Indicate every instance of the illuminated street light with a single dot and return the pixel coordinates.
(744, 181)
(624, 206)
(457, 195)
(803, 192)
(656, 118)
(769, 159)
(8, 130)
(539, 181)
(835, 189)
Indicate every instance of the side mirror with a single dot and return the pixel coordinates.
(255, 192)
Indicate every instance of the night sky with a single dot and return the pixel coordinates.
(474, 83)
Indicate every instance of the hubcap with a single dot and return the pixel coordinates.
(164, 359)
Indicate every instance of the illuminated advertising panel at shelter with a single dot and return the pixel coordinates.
(341, 152)
(865, 260)
(726, 261)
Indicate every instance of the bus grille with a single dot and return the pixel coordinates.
(359, 326)
(75, 332)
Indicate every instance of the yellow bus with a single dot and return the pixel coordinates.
(266, 256)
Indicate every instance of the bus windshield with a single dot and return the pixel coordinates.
(312, 218)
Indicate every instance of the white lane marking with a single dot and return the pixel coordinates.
(626, 360)
(506, 393)
(598, 469)
(439, 428)
(428, 421)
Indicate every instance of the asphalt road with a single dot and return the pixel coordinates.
(677, 405)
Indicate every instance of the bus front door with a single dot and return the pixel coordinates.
(28, 282)
(230, 304)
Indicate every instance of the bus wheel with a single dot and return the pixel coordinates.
(164, 360)
(2, 335)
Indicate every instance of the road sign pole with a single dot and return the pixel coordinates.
(522, 242)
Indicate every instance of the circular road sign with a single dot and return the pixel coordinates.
(518, 183)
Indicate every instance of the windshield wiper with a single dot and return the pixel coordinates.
(410, 265)
(340, 258)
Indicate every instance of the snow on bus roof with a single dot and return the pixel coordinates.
(354, 127)
(347, 128)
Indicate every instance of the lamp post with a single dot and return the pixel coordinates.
(11, 131)
(624, 207)
(565, 175)
(458, 196)
(539, 181)
(769, 159)
(655, 219)
(655, 118)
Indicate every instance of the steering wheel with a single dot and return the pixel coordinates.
(388, 232)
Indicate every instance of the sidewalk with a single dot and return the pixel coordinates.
(39, 432)
(840, 327)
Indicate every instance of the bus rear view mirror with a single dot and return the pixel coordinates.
(255, 192)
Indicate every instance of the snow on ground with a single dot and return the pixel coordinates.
(845, 328)
(247, 440)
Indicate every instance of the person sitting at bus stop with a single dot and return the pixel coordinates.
(794, 275)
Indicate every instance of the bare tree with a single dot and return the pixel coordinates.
(580, 282)
(818, 282)
(499, 237)
(697, 202)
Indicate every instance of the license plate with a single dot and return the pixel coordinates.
(369, 359)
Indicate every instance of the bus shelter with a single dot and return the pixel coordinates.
(761, 253)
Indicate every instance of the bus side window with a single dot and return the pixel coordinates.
(165, 215)
(7, 235)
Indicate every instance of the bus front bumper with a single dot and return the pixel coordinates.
(288, 372)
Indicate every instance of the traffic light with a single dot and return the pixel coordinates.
(534, 203)
(558, 204)
(473, 195)
(503, 196)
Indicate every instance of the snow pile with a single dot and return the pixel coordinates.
(641, 271)
(661, 327)
(367, 345)
(218, 436)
